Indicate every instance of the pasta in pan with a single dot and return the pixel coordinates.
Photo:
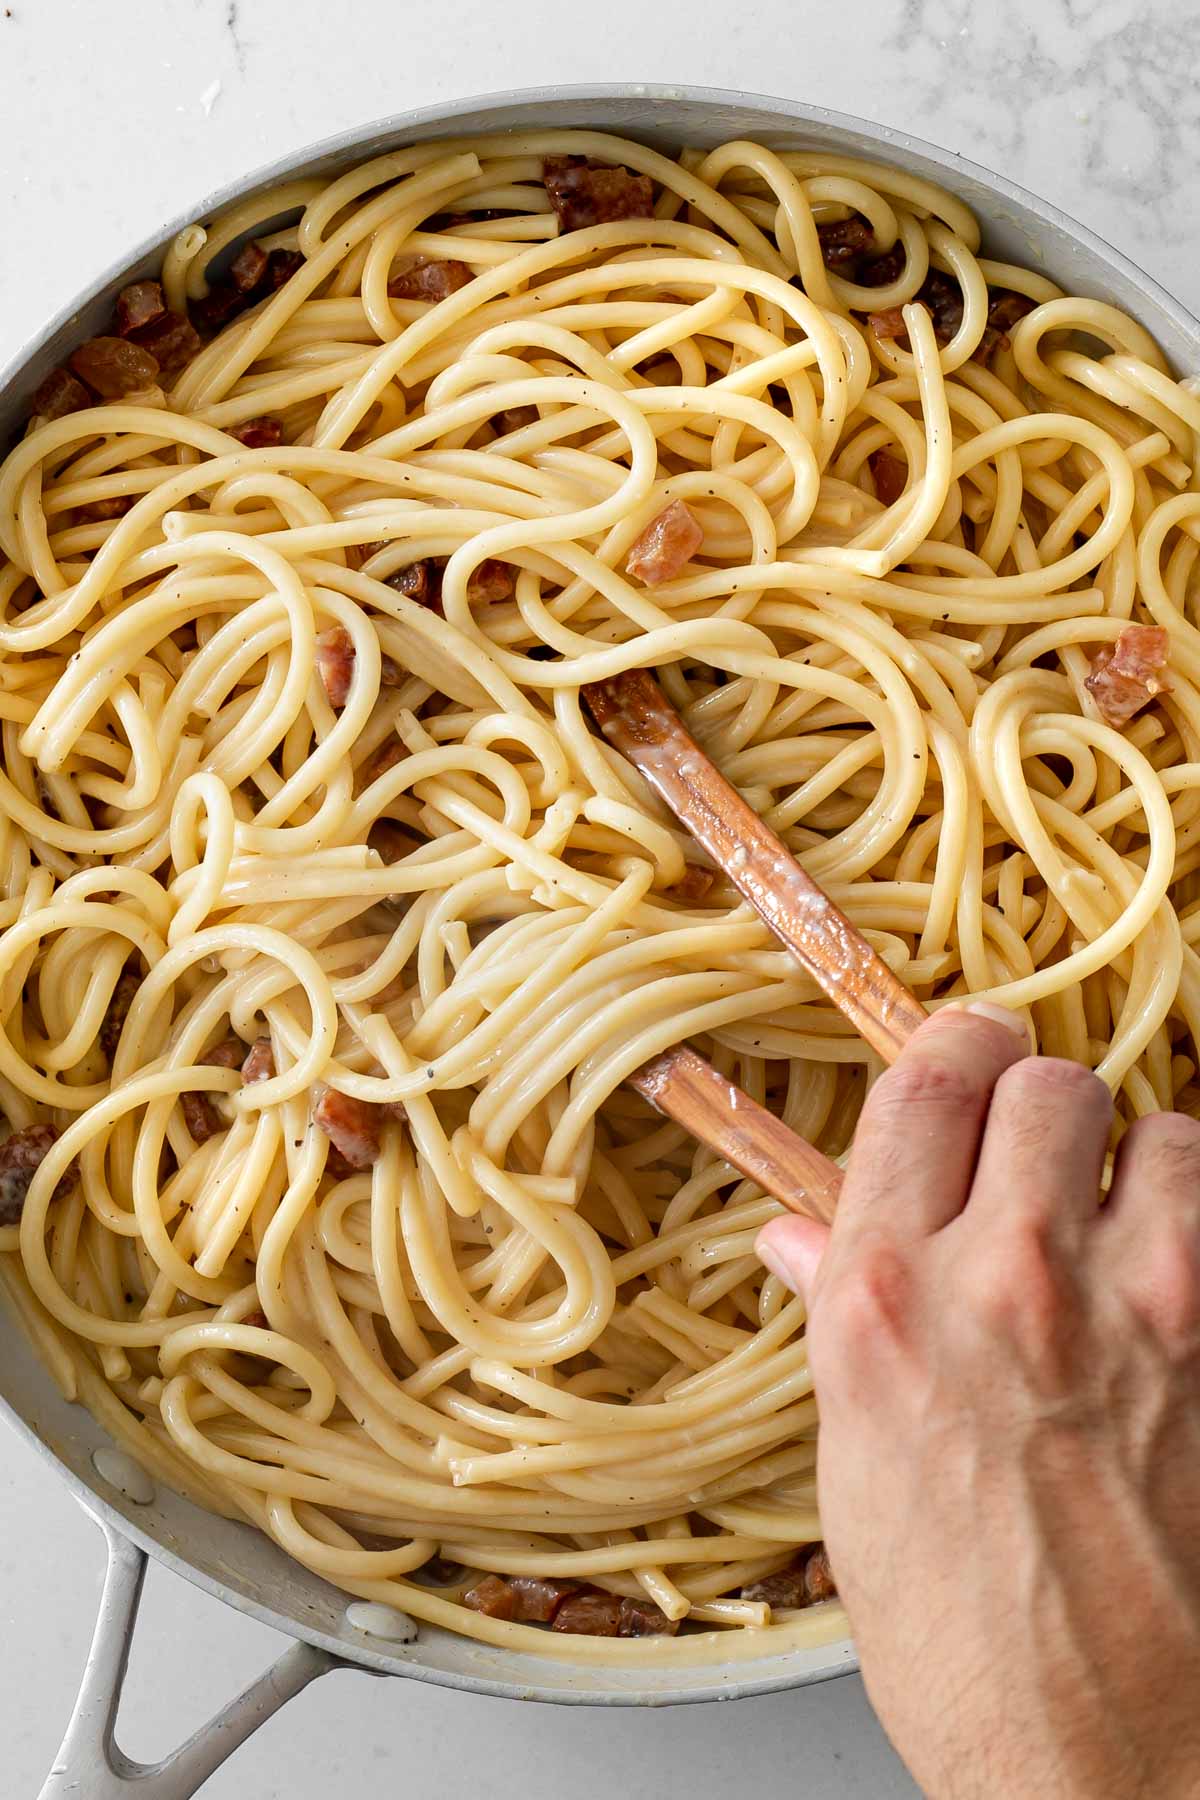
(331, 930)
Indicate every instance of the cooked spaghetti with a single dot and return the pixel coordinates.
(332, 929)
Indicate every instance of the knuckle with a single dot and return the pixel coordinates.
(1163, 1151)
(922, 1085)
(872, 1295)
(1051, 1081)
(1033, 1098)
(1015, 1292)
(1163, 1286)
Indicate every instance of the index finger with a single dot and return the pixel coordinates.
(917, 1142)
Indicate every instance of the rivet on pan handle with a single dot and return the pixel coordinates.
(91, 1766)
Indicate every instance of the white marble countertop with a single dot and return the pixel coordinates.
(115, 117)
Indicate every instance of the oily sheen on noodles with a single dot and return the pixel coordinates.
(331, 928)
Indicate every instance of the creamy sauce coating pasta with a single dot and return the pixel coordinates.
(524, 1330)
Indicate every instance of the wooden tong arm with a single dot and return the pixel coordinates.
(637, 718)
(714, 1109)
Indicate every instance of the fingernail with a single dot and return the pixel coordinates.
(1000, 1015)
(768, 1255)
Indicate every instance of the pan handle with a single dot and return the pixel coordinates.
(91, 1762)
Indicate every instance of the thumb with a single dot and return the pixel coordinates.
(792, 1248)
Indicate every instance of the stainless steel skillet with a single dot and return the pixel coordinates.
(231, 1561)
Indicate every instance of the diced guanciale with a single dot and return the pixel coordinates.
(536, 1600)
(888, 325)
(883, 270)
(943, 298)
(390, 841)
(493, 1596)
(142, 316)
(114, 367)
(847, 246)
(589, 1615)
(584, 192)
(139, 304)
(490, 580)
(150, 341)
(642, 1618)
(665, 547)
(422, 581)
(171, 340)
(806, 1581)
(819, 1584)
(221, 303)
(890, 475)
(1006, 310)
(259, 434)
(335, 663)
(199, 1114)
(695, 884)
(425, 278)
(354, 1127)
(389, 753)
(540, 1600)
(99, 510)
(612, 1615)
(281, 266)
(248, 267)
(21, 1156)
(113, 1023)
(59, 394)
(260, 1063)
(844, 240)
(784, 1589)
(1126, 676)
(264, 273)
(440, 1572)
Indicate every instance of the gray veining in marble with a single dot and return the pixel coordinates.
(1093, 105)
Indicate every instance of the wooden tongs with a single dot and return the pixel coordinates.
(638, 720)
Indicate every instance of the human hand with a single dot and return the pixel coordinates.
(1009, 1384)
